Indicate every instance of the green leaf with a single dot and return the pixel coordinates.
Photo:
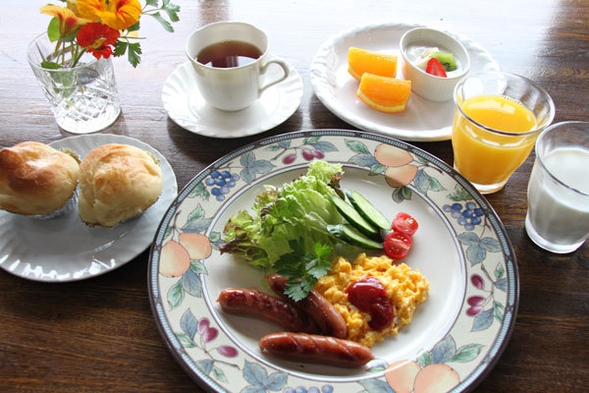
(134, 54)
(297, 211)
(133, 51)
(219, 375)
(197, 267)
(200, 191)
(425, 359)
(357, 147)
(135, 27)
(186, 341)
(53, 30)
(459, 194)
(303, 269)
(498, 311)
(467, 353)
(175, 295)
(311, 140)
(296, 290)
(319, 265)
(434, 184)
(50, 65)
(196, 213)
(165, 24)
(120, 48)
(499, 271)
(171, 10)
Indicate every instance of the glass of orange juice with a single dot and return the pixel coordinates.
(497, 119)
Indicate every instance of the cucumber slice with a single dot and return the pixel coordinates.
(349, 235)
(355, 219)
(367, 210)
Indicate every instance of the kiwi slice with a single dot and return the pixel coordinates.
(447, 60)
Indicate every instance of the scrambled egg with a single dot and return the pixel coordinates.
(405, 289)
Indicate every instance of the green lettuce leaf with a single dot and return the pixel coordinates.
(299, 212)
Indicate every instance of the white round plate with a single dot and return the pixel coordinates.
(64, 249)
(187, 108)
(422, 120)
(466, 266)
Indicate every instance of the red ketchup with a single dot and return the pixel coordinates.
(369, 296)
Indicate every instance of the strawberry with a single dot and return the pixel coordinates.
(435, 67)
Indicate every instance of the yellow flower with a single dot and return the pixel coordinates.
(117, 14)
(68, 21)
(73, 5)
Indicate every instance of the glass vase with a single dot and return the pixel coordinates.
(83, 98)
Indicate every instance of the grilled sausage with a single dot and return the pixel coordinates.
(316, 349)
(325, 315)
(261, 305)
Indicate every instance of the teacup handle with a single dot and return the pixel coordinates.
(284, 67)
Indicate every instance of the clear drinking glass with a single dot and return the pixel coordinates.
(83, 98)
(558, 191)
(497, 119)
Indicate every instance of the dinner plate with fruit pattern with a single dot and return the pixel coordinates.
(461, 247)
(422, 120)
(63, 249)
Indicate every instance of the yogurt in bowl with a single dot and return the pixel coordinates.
(416, 46)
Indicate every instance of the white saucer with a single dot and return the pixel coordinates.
(187, 108)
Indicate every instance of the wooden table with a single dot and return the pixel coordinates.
(99, 335)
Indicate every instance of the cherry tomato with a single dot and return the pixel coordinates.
(405, 223)
(397, 245)
(435, 67)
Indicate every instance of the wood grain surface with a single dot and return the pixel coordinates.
(99, 335)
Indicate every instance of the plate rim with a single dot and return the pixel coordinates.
(318, 68)
(500, 340)
(170, 182)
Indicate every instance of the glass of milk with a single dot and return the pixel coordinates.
(558, 191)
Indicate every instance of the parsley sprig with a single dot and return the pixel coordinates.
(303, 268)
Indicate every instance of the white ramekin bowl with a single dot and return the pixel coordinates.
(430, 87)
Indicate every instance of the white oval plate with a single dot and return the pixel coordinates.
(463, 264)
(422, 120)
(64, 249)
(186, 106)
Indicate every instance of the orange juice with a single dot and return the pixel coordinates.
(485, 157)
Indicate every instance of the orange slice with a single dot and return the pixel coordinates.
(384, 94)
(362, 61)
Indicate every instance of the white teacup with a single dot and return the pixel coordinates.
(235, 78)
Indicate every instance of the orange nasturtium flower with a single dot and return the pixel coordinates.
(98, 39)
(117, 14)
(68, 20)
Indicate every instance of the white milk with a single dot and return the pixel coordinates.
(559, 215)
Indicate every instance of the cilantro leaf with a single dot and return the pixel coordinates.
(303, 269)
(319, 265)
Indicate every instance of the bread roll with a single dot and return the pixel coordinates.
(117, 182)
(36, 179)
